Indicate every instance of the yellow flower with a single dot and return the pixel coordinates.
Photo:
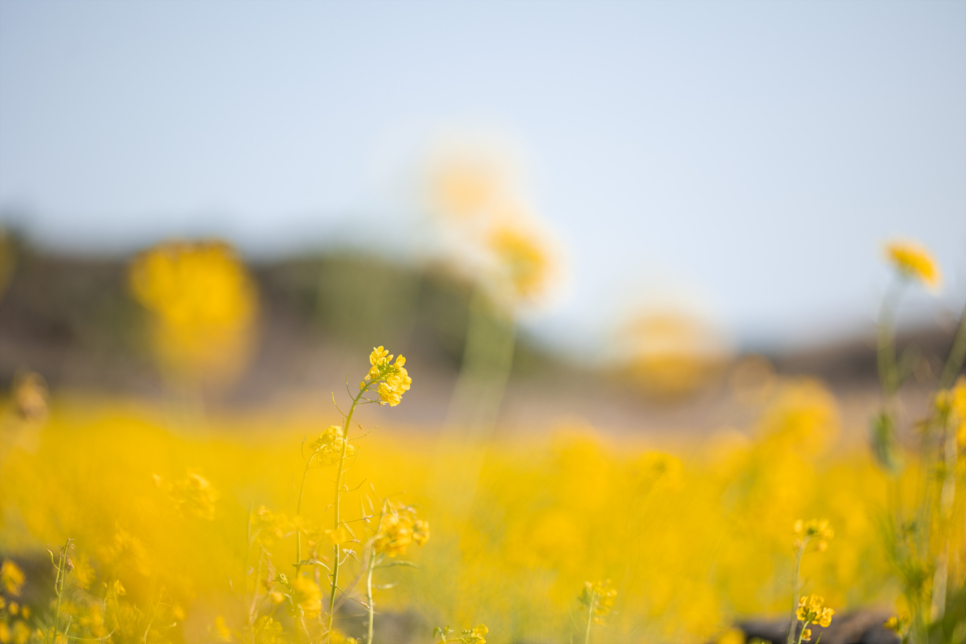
(475, 635)
(522, 260)
(896, 624)
(599, 598)
(807, 634)
(328, 447)
(392, 378)
(221, 630)
(11, 578)
(914, 261)
(306, 595)
(420, 532)
(338, 637)
(812, 610)
(818, 530)
(195, 496)
(203, 305)
(732, 636)
(398, 528)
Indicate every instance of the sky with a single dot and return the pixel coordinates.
(747, 159)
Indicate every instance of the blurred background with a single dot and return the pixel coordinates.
(642, 218)
(710, 178)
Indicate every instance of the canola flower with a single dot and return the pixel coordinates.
(915, 262)
(203, 306)
(818, 530)
(396, 529)
(391, 380)
(812, 610)
(11, 578)
(598, 599)
(522, 262)
(546, 513)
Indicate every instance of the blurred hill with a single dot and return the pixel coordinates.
(73, 320)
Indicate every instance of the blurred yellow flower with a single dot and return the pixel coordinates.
(328, 447)
(11, 578)
(307, 596)
(914, 261)
(598, 598)
(522, 260)
(398, 528)
(221, 632)
(817, 530)
(203, 304)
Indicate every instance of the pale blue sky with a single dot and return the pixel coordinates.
(752, 154)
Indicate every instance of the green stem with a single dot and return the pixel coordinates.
(337, 548)
(372, 610)
(590, 617)
(798, 565)
(59, 590)
(888, 372)
(298, 513)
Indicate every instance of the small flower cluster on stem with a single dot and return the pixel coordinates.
(812, 610)
(818, 531)
(598, 598)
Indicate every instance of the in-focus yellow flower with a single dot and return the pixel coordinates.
(913, 261)
(807, 634)
(391, 379)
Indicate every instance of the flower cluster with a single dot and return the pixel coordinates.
(203, 304)
(14, 628)
(812, 610)
(328, 447)
(818, 530)
(391, 379)
(599, 598)
(11, 578)
(193, 495)
(398, 529)
(475, 635)
(524, 262)
(915, 262)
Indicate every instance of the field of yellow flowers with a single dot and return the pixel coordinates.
(124, 521)
(688, 540)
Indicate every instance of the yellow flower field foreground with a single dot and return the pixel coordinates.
(161, 517)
